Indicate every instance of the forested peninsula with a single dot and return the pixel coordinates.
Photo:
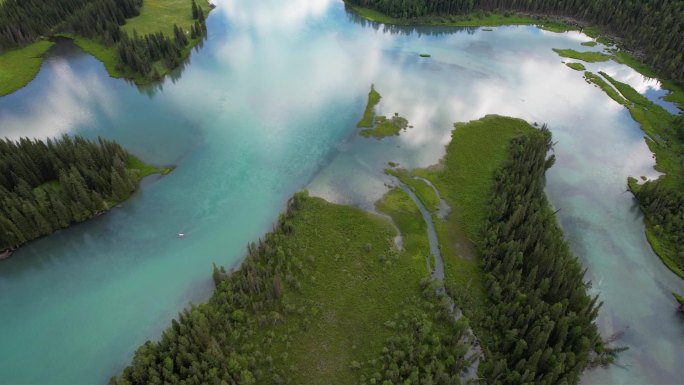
(329, 297)
(130, 37)
(47, 185)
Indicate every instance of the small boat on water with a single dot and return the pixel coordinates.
(181, 235)
(6, 253)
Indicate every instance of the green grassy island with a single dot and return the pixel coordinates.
(590, 57)
(367, 118)
(156, 37)
(46, 186)
(379, 126)
(576, 66)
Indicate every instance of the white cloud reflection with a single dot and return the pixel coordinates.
(65, 105)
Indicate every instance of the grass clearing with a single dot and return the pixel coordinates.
(19, 66)
(354, 279)
(406, 215)
(465, 175)
(155, 16)
(160, 16)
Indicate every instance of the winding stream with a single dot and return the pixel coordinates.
(474, 353)
(268, 106)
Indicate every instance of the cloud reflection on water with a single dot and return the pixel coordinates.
(61, 105)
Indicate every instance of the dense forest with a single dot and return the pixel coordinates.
(541, 318)
(652, 28)
(45, 186)
(23, 22)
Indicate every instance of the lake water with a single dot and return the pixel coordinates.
(268, 106)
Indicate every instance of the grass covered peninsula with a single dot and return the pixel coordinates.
(500, 210)
(46, 186)
(19, 66)
(141, 41)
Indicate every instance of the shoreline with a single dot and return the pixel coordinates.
(134, 164)
(559, 24)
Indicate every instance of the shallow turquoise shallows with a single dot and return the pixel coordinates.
(268, 106)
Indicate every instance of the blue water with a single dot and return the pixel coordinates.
(268, 106)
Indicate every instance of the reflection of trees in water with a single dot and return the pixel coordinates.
(151, 89)
(405, 29)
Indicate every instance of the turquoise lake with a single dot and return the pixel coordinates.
(268, 106)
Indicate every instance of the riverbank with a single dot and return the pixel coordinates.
(44, 211)
(658, 198)
(19, 66)
(554, 24)
(475, 20)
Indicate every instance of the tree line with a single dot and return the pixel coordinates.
(47, 185)
(210, 343)
(663, 207)
(541, 318)
(24, 21)
(654, 28)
